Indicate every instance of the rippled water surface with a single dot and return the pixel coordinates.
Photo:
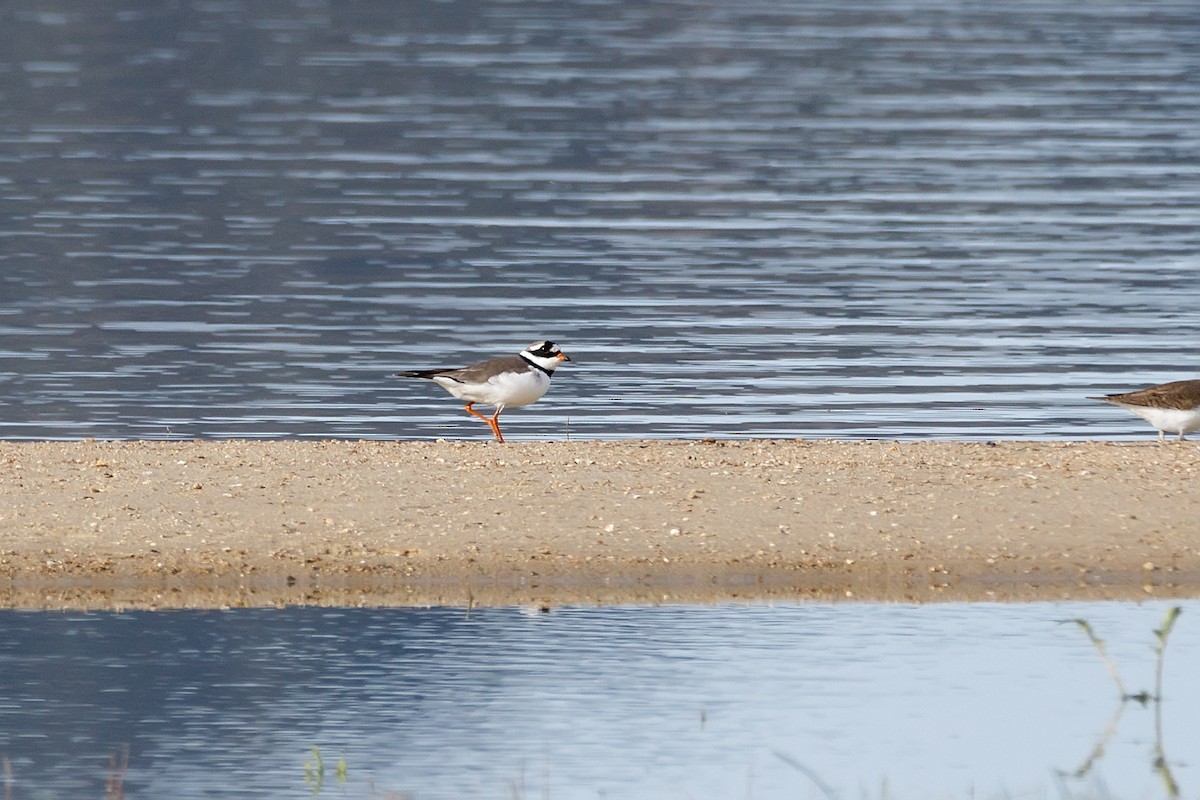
(721, 702)
(850, 219)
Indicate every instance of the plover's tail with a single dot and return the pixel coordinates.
(428, 374)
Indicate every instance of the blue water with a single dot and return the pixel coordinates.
(847, 219)
(846, 700)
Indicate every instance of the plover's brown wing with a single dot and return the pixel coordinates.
(476, 373)
(1183, 395)
(481, 372)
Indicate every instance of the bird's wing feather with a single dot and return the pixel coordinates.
(476, 373)
(1177, 394)
(479, 373)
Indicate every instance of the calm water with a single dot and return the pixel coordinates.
(851, 219)
(722, 702)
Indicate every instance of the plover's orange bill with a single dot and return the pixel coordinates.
(500, 382)
(1171, 407)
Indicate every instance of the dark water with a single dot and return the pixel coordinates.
(676, 702)
(852, 219)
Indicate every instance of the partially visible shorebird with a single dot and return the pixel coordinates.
(501, 382)
(1171, 407)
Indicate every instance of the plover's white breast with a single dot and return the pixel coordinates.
(518, 388)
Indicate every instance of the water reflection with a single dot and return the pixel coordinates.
(747, 219)
(729, 701)
(1153, 698)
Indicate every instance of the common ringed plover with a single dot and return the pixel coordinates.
(501, 382)
(1171, 407)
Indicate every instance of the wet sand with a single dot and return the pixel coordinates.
(234, 523)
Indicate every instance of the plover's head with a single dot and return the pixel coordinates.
(545, 354)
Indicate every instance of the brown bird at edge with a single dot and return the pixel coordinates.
(1170, 407)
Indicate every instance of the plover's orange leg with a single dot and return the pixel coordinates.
(491, 421)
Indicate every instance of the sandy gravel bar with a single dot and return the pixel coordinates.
(233, 523)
